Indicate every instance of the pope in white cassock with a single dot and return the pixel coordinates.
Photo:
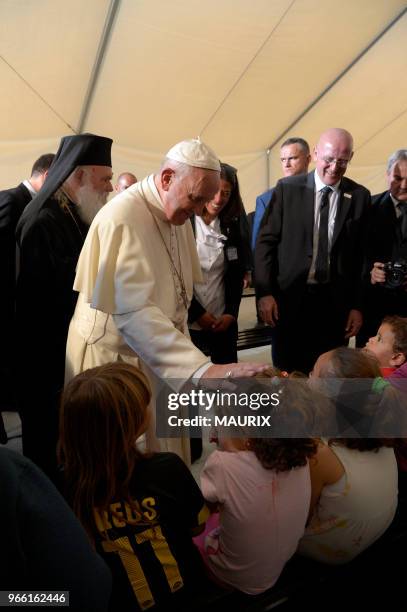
(135, 279)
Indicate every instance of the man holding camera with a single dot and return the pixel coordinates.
(385, 270)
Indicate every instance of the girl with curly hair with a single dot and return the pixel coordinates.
(262, 489)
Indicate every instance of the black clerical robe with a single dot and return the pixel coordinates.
(45, 302)
(12, 203)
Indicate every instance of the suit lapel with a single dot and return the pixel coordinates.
(389, 218)
(344, 204)
(387, 207)
(307, 207)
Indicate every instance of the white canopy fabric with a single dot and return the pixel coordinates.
(243, 74)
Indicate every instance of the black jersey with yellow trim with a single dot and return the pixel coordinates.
(148, 544)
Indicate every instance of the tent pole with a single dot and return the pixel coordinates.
(268, 168)
(337, 78)
(100, 55)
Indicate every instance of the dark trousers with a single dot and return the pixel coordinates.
(221, 347)
(309, 325)
(38, 404)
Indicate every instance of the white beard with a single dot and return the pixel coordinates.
(89, 202)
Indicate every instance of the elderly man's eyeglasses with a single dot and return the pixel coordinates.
(342, 163)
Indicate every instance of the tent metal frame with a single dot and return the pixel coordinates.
(97, 66)
(336, 80)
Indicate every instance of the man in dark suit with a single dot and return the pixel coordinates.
(295, 158)
(309, 254)
(386, 242)
(12, 203)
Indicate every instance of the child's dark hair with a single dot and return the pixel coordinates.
(283, 454)
(399, 328)
(103, 411)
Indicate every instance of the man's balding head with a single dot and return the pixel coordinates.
(124, 181)
(332, 154)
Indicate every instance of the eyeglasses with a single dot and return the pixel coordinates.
(342, 163)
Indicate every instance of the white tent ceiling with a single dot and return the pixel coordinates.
(244, 74)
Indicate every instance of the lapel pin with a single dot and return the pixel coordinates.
(347, 195)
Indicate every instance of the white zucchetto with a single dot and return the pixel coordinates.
(194, 153)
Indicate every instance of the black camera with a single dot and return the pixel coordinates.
(396, 272)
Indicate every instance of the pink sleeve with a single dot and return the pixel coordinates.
(212, 478)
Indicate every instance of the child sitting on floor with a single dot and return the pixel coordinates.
(354, 479)
(262, 488)
(389, 346)
(140, 510)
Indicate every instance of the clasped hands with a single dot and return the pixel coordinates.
(209, 322)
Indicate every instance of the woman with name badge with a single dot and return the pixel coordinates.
(225, 259)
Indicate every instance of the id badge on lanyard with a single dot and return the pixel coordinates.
(231, 253)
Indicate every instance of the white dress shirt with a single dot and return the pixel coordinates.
(30, 188)
(210, 246)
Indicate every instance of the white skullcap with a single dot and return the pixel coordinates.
(194, 153)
